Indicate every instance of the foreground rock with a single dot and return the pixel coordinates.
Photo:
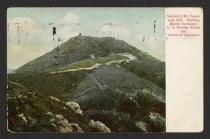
(32, 112)
(99, 126)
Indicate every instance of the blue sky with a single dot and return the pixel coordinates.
(35, 34)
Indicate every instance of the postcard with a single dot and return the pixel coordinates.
(103, 69)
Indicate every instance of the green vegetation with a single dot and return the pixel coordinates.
(34, 112)
(149, 70)
(58, 85)
(91, 62)
(126, 96)
(145, 110)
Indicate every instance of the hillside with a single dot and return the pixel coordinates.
(9, 70)
(33, 112)
(112, 81)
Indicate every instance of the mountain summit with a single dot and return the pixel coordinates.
(112, 81)
(83, 48)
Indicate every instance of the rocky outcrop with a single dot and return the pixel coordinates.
(99, 126)
(157, 121)
(33, 112)
(74, 106)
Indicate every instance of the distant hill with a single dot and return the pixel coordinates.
(112, 81)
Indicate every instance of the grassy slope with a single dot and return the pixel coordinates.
(80, 48)
(58, 85)
(89, 63)
(61, 85)
(36, 108)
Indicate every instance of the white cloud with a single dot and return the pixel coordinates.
(66, 33)
(27, 40)
(70, 18)
(152, 44)
(25, 25)
(122, 32)
(117, 31)
(21, 20)
(17, 55)
(70, 26)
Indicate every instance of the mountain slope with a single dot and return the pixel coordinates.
(87, 48)
(80, 48)
(112, 81)
(111, 92)
(9, 70)
(33, 112)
